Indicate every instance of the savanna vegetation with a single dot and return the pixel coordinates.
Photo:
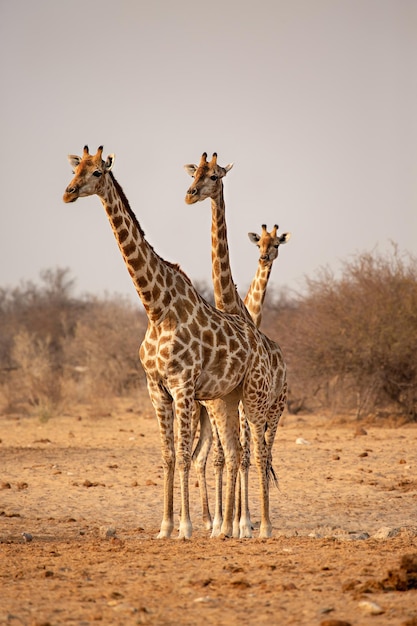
(350, 342)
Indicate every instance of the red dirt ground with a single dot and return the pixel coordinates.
(87, 488)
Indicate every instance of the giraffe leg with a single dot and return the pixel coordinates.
(163, 407)
(242, 526)
(218, 483)
(184, 409)
(224, 414)
(199, 457)
(238, 507)
(257, 426)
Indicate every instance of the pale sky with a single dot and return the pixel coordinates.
(315, 102)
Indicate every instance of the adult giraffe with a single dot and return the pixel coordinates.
(208, 183)
(191, 352)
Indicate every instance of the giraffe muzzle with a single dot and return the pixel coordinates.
(71, 194)
(192, 195)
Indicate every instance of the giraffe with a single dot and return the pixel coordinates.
(208, 183)
(191, 353)
(268, 244)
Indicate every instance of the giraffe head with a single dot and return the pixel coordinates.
(207, 178)
(268, 243)
(89, 171)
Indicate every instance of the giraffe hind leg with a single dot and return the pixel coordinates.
(199, 458)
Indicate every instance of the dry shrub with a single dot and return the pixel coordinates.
(351, 341)
(101, 357)
(34, 379)
(56, 350)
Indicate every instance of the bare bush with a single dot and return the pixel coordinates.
(34, 379)
(356, 337)
(350, 343)
(56, 349)
(102, 354)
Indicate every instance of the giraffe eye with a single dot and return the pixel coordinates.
(214, 177)
(97, 173)
(277, 246)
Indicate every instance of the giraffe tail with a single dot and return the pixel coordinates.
(271, 475)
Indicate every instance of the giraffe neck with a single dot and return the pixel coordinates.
(151, 275)
(226, 296)
(256, 294)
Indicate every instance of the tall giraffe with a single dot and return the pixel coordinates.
(208, 183)
(268, 244)
(191, 352)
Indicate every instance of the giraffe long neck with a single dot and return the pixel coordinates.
(226, 296)
(151, 275)
(256, 294)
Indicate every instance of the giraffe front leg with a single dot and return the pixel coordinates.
(162, 403)
(184, 409)
(167, 524)
(168, 457)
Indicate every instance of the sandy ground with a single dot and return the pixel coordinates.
(87, 490)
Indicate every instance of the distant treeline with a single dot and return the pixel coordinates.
(350, 342)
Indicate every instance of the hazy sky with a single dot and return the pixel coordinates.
(315, 102)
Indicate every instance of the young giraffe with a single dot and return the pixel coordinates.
(208, 184)
(191, 352)
(268, 244)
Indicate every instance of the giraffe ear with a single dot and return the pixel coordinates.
(191, 168)
(228, 167)
(254, 238)
(109, 162)
(284, 237)
(74, 160)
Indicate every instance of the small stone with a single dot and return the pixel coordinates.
(334, 622)
(107, 532)
(27, 537)
(302, 442)
(386, 533)
(371, 607)
(5, 485)
(361, 536)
